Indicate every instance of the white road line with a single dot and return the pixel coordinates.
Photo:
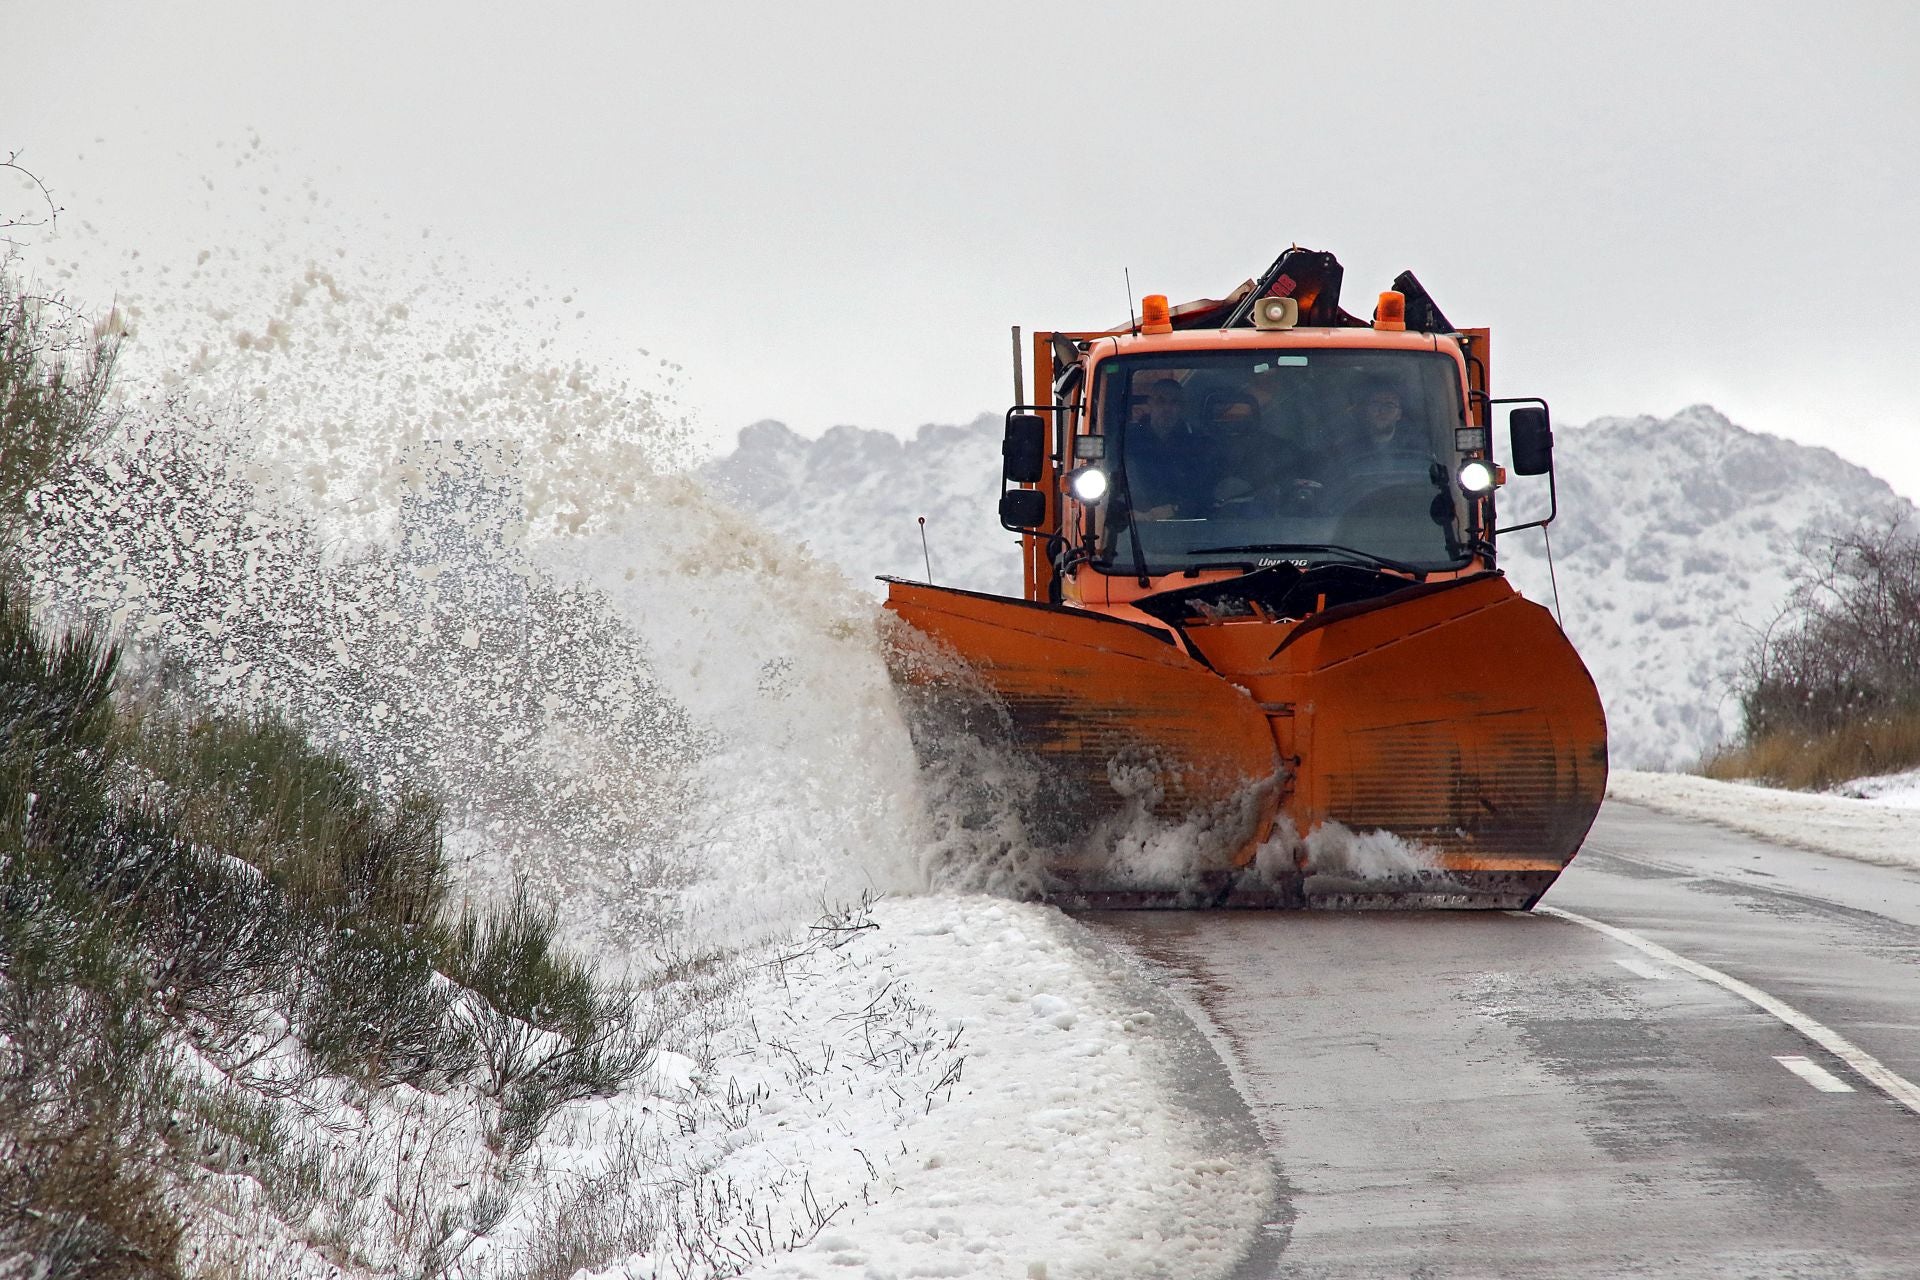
(1813, 1073)
(1862, 1063)
(1634, 964)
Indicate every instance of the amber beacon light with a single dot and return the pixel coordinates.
(1392, 311)
(1154, 315)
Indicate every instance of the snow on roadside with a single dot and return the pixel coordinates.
(1030, 1133)
(1899, 790)
(1883, 829)
(393, 486)
(936, 1086)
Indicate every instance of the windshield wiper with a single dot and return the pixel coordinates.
(1282, 547)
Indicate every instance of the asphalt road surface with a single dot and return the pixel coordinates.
(1716, 1092)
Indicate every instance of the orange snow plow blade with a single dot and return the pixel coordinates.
(1263, 758)
(1093, 703)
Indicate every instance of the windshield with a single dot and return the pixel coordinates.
(1263, 457)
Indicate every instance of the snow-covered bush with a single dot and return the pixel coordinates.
(207, 922)
(203, 919)
(1832, 690)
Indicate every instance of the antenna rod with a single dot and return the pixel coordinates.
(924, 553)
(1131, 319)
(1019, 379)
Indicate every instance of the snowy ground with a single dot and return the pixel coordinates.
(1020, 1119)
(950, 1085)
(1059, 1148)
(1876, 819)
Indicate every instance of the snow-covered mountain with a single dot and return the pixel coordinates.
(1675, 542)
(1674, 548)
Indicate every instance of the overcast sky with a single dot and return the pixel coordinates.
(831, 214)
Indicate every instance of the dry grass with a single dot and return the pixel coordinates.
(1813, 762)
(175, 883)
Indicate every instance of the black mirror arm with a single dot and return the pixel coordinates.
(1553, 509)
(1553, 488)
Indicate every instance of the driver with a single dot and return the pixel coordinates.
(1272, 473)
(1168, 463)
(1378, 441)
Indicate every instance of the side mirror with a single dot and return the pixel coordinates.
(1023, 453)
(1023, 508)
(1532, 441)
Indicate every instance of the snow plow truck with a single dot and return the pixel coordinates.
(1266, 655)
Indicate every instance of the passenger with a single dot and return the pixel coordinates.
(1382, 423)
(1168, 464)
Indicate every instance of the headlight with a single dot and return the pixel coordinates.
(1478, 477)
(1089, 484)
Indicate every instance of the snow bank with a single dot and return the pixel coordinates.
(939, 1086)
(1901, 790)
(1884, 829)
(1028, 1133)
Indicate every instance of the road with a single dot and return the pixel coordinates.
(1498, 1094)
